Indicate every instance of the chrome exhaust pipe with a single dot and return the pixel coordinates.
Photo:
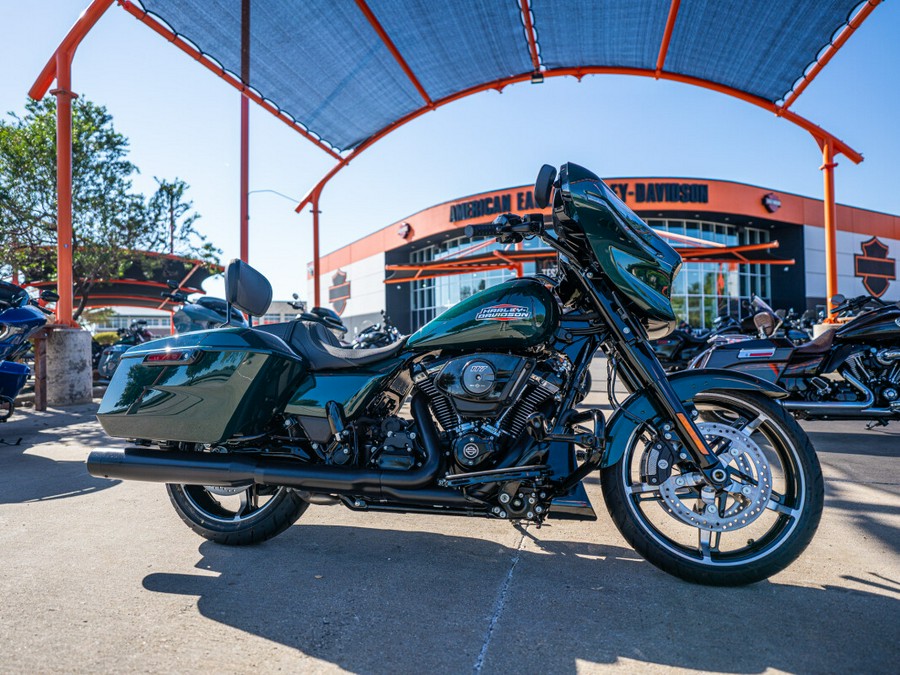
(822, 408)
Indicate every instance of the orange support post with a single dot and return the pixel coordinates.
(667, 36)
(245, 132)
(59, 68)
(245, 180)
(317, 267)
(831, 273)
(64, 96)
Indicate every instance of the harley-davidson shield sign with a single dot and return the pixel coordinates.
(876, 270)
(339, 293)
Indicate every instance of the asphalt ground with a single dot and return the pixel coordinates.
(102, 576)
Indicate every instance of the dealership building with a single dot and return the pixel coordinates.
(754, 240)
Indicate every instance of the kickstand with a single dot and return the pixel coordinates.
(875, 423)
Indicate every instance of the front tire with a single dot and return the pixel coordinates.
(742, 535)
(237, 516)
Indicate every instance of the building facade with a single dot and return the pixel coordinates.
(373, 273)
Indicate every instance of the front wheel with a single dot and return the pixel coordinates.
(237, 516)
(753, 528)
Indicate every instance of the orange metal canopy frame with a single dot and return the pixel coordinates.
(59, 69)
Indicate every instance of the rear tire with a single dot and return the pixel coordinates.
(234, 516)
(756, 529)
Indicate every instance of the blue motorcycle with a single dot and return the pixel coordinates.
(20, 318)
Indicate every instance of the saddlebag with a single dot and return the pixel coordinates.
(202, 387)
(12, 378)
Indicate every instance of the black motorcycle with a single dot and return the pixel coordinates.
(851, 372)
(322, 315)
(379, 334)
(703, 472)
(111, 356)
(676, 350)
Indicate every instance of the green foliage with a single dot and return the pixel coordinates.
(107, 338)
(110, 219)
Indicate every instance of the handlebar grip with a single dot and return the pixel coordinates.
(486, 230)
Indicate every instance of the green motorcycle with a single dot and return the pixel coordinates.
(702, 471)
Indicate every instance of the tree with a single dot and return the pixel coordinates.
(110, 219)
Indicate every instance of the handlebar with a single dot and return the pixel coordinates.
(46, 311)
(858, 302)
(488, 230)
(508, 224)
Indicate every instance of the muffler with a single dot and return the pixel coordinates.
(233, 469)
(819, 408)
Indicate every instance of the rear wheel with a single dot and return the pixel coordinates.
(236, 516)
(760, 523)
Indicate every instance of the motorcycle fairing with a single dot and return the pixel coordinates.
(637, 260)
(638, 408)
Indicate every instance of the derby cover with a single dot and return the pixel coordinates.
(347, 70)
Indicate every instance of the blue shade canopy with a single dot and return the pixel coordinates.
(347, 69)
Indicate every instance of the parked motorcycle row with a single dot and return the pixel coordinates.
(849, 373)
(678, 350)
(206, 313)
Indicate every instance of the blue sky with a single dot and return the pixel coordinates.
(182, 121)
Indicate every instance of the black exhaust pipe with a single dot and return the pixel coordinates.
(231, 469)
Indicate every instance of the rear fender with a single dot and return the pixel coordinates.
(638, 408)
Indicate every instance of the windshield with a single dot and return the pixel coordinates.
(634, 257)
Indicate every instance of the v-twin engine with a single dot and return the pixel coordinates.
(484, 401)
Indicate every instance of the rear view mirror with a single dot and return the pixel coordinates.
(543, 186)
(838, 299)
(49, 296)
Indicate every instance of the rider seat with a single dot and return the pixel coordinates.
(250, 292)
(318, 345)
(818, 346)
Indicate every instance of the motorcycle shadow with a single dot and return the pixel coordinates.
(27, 477)
(375, 600)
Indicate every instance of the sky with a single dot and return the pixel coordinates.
(183, 122)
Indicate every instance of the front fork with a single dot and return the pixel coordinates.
(645, 372)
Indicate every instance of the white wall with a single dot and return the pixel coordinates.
(848, 245)
(366, 279)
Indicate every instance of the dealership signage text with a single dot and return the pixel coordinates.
(640, 193)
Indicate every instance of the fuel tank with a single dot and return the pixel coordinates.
(516, 314)
(879, 325)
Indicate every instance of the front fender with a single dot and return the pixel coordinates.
(638, 408)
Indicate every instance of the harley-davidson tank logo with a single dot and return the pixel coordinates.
(876, 270)
(340, 292)
(504, 313)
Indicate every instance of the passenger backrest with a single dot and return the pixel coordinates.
(247, 289)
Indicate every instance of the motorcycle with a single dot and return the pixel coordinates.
(204, 313)
(377, 335)
(327, 317)
(20, 318)
(851, 372)
(111, 356)
(704, 474)
(682, 345)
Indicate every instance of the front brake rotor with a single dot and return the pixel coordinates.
(746, 499)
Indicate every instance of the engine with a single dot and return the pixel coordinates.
(879, 371)
(484, 401)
